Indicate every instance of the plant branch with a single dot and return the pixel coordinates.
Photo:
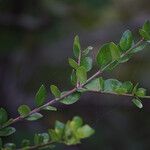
(113, 93)
(19, 118)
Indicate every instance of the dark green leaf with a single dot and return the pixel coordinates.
(144, 34)
(40, 96)
(25, 143)
(24, 110)
(76, 47)
(108, 53)
(86, 62)
(128, 86)
(55, 91)
(73, 63)
(73, 77)
(81, 74)
(137, 102)
(3, 116)
(34, 117)
(126, 40)
(7, 131)
(71, 98)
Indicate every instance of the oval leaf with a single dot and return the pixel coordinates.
(24, 110)
(40, 96)
(71, 98)
(81, 75)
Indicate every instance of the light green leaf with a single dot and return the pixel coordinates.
(3, 116)
(7, 131)
(135, 88)
(140, 92)
(73, 63)
(94, 85)
(126, 40)
(81, 74)
(55, 91)
(76, 47)
(87, 50)
(51, 108)
(139, 48)
(86, 62)
(40, 96)
(24, 110)
(71, 98)
(76, 123)
(59, 129)
(137, 102)
(34, 117)
(85, 131)
(110, 85)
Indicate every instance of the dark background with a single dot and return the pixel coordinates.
(36, 39)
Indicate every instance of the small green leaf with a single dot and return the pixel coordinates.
(3, 116)
(144, 34)
(87, 50)
(76, 47)
(73, 63)
(10, 146)
(34, 117)
(128, 86)
(81, 74)
(135, 88)
(51, 108)
(76, 123)
(53, 135)
(110, 85)
(94, 85)
(115, 51)
(137, 102)
(24, 110)
(55, 91)
(7, 131)
(25, 143)
(126, 40)
(73, 77)
(86, 62)
(40, 96)
(71, 98)
(59, 129)
(139, 48)
(140, 92)
(38, 139)
(85, 131)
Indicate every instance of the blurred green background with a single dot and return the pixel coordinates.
(36, 39)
